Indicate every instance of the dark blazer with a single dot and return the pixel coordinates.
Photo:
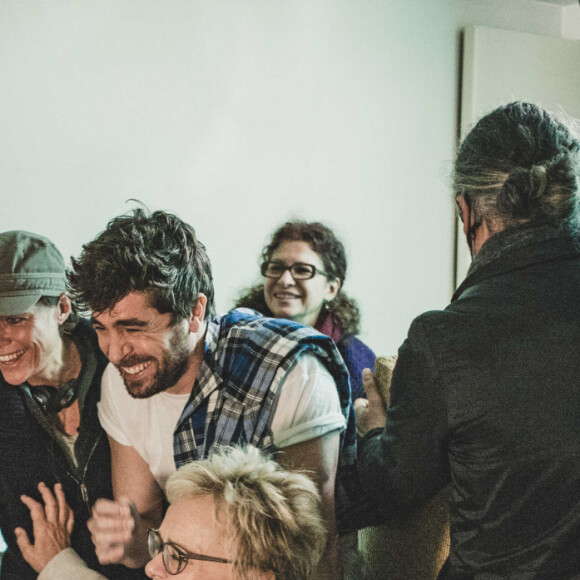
(28, 455)
(486, 395)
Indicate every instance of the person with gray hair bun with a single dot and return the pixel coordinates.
(484, 395)
(518, 165)
(238, 516)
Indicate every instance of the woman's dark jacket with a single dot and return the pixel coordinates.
(29, 453)
(486, 395)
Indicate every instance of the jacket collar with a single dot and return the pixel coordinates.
(517, 248)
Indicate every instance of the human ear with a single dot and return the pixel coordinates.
(464, 212)
(63, 308)
(332, 289)
(198, 313)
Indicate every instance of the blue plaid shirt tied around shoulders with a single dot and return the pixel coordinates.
(246, 357)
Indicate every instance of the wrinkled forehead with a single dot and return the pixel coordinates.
(195, 523)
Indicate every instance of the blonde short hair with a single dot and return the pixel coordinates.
(273, 516)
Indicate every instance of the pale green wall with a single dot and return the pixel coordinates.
(238, 115)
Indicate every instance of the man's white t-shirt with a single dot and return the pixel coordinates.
(308, 407)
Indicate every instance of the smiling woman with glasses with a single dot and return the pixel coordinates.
(238, 516)
(304, 270)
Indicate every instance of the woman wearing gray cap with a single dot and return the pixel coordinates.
(50, 371)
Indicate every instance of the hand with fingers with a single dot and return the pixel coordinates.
(370, 412)
(112, 526)
(52, 525)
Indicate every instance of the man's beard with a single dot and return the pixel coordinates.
(170, 369)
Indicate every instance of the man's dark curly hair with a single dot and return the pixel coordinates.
(322, 240)
(141, 251)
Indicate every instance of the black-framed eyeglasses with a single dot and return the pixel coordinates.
(298, 270)
(174, 557)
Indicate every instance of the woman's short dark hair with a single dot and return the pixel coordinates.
(520, 164)
(140, 251)
(322, 240)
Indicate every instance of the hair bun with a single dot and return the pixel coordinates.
(522, 191)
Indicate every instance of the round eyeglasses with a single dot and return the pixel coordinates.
(175, 558)
(298, 270)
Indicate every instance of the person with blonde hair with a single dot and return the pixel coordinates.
(238, 516)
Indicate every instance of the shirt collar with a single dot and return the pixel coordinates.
(518, 247)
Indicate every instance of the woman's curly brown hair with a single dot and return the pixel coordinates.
(343, 309)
